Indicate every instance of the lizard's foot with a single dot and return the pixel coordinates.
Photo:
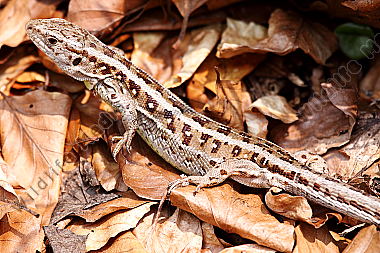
(124, 140)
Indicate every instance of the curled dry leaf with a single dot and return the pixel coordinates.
(106, 169)
(33, 130)
(148, 174)
(124, 242)
(276, 107)
(210, 240)
(243, 214)
(362, 150)
(310, 239)
(367, 240)
(95, 16)
(181, 232)
(14, 66)
(326, 121)
(293, 207)
(63, 240)
(100, 232)
(15, 15)
(199, 42)
(287, 32)
(232, 69)
(257, 124)
(21, 232)
(248, 248)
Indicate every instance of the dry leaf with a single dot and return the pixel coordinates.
(63, 240)
(293, 207)
(310, 239)
(100, 232)
(148, 174)
(200, 43)
(33, 130)
(21, 232)
(181, 232)
(367, 240)
(243, 214)
(257, 124)
(287, 32)
(248, 248)
(124, 242)
(14, 66)
(95, 16)
(276, 107)
(362, 150)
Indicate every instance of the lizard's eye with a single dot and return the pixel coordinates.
(52, 41)
(76, 61)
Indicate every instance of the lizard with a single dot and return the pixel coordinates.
(207, 151)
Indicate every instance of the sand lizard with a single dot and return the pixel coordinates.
(209, 152)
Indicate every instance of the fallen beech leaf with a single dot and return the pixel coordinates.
(257, 124)
(14, 66)
(128, 200)
(227, 106)
(293, 207)
(326, 121)
(362, 150)
(100, 232)
(287, 32)
(33, 130)
(124, 242)
(200, 43)
(310, 239)
(95, 16)
(367, 240)
(210, 240)
(21, 232)
(7, 193)
(243, 214)
(106, 169)
(276, 107)
(15, 15)
(81, 192)
(181, 232)
(248, 248)
(148, 174)
(233, 69)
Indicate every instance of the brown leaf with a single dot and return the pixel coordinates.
(145, 171)
(276, 107)
(181, 232)
(106, 169)
(243, 214)
(63, 240)
(33, 129)
(100, 232)
(124, 242)
(293, 207)
(21, 232)
(362, 150)
(326, 121)
(310, 239)
(15, 15)
(367, 240)
(370, 84)
(95, 16)
(233, 69)
(287, 32)
(14, 66)
(248, 248)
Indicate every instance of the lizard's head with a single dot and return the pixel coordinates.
(67, 45)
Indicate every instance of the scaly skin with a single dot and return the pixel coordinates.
(207, 150)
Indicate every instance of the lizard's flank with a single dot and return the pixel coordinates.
(204, 149)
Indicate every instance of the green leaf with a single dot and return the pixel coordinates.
(356, 41)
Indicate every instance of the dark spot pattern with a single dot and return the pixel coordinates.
(187, 135)
(216, 146)
(204, 138)
(201, 121)
(150, 104)
(236, 151)
(134, 88)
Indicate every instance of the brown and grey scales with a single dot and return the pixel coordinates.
(188, 140)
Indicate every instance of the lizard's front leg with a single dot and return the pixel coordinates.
(243, 171)
(112, 91)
